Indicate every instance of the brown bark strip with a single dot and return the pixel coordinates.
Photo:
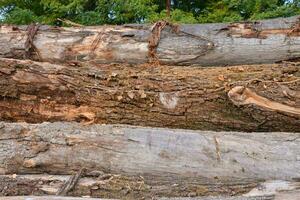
(240, 95)
(154, 39)
(70, 184)
(29, 45)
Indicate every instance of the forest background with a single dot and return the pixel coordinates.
(99, 12)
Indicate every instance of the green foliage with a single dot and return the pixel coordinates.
(127, 11)
(177, 16)
(89, 18)
(282, 11)
(238, 10)
(21, 16)
(97, 12)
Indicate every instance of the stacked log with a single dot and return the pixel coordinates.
(243, 98)
(130, 162)
(258, 42)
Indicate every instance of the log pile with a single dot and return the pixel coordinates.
(191, 112)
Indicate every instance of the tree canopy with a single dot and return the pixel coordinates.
(97, 12)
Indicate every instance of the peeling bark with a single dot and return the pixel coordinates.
(265, 41)
(151, 95)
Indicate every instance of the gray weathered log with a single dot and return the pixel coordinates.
(136, 162)
(265, 41)
(241, 98)
(62, 148)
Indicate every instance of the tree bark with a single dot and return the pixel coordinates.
(136, 162)
(265, 41)
(243, 98)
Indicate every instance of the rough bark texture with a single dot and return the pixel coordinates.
(247, 98)
(135, 162)
(205, 44)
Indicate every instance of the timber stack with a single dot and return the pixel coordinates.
(196, 112)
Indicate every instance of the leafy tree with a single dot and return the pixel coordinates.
(87, 12)
(237, 10)
(177, 16)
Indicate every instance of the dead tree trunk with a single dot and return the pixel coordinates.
(265, 41)
(145, 162)
(247, 98)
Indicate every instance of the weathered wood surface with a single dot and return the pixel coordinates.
(124, 187)
(137, 162)
(204, 44)
(62, 148)
(244, 98)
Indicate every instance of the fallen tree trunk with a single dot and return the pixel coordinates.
(265, 41)
(246, 98)
(61, 148)
(145, 162)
